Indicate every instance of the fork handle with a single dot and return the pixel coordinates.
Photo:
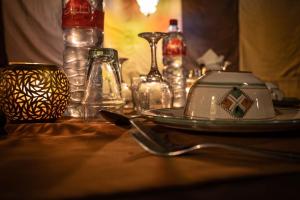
(253, 151)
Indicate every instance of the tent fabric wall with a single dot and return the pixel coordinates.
(270, 42)
(212, 24)
(33, 30)
(3, 56)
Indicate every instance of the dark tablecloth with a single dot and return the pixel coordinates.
(73, 159)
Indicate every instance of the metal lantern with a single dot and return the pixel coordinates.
(33, 92)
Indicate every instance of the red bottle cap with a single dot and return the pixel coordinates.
(173, 22)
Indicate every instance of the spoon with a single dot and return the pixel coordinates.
(118, 118)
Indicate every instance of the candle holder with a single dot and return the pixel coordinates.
(33, 92)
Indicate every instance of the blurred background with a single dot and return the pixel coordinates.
(261, 36)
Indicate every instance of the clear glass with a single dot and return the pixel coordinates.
(153, 92)
(103, 83)
(125, 89)
(135, 81)
(121, 62)
(193, 75)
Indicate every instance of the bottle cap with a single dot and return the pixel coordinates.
(173, 22)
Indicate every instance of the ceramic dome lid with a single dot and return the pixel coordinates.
(230, 78)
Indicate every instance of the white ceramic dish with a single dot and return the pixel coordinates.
(230, 96)
(285, 120)
(276, 93)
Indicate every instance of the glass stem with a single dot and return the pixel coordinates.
(154, 69)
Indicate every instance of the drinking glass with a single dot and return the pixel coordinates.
(121, 62)
(135, 81)
(125, 89)
(103, 83)
(153, 92)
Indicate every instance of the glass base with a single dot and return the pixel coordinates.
(74, 110)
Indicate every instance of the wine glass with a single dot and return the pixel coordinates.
(135, 81)
(125, 89)
(153, 92)
(122, 60)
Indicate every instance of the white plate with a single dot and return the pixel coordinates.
(286, 120)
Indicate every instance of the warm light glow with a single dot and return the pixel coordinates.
(147, 7)
(125, 39)
(31, 91)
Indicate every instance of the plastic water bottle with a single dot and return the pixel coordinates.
(174, 49)
(82, 23)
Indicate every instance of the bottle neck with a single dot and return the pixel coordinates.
(173, 28)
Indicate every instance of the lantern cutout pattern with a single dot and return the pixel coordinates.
(33, 92)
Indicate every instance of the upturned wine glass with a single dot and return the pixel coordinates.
(154, 92)
(125, 88)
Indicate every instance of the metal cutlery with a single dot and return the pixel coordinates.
(158, 145)
(118, 118)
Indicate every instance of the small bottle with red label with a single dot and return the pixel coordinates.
(174, 50)
(82, 24)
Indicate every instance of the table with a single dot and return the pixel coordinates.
(73, 159)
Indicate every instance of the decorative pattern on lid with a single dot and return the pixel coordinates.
(236, 103)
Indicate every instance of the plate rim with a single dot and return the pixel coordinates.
(217, 125)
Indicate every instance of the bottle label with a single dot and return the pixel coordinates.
(174, 47)
(80, 13)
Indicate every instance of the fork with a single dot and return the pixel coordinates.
(155, 144)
